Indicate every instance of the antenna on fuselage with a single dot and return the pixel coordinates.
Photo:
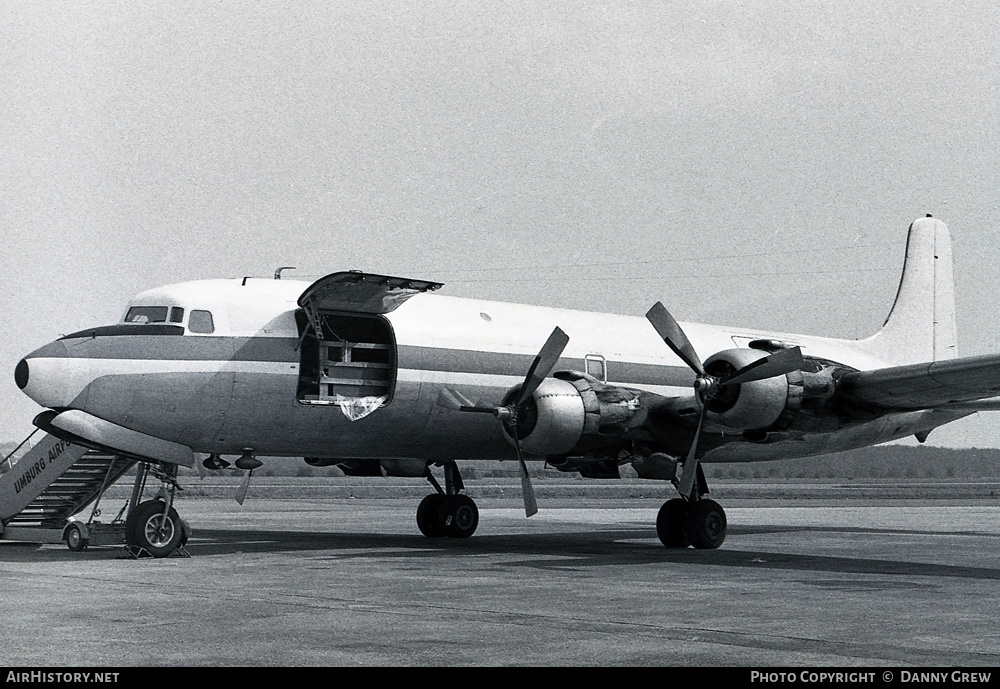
(277, 273)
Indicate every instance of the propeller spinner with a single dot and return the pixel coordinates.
(509, 414)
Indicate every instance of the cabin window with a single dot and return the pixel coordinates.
(146, 314)
(201, 322)
(595, 366)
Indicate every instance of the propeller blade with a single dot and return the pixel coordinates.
(673, 335)
(527, 490)
(778, 364)
(543, 364)
(453, 399)
(541, 367)
(688, 474)
(241, 492)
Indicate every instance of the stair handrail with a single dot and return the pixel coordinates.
(19, 446)
(104, 487)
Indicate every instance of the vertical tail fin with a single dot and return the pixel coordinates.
(921, 325)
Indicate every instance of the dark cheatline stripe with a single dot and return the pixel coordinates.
(283, 349)
(494, 363)
(188, 348)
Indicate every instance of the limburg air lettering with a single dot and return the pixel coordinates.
(57, 450)
(29, 475)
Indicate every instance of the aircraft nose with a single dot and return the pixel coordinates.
(49, 377)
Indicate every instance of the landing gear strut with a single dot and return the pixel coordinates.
(697, 521)
(447, 512)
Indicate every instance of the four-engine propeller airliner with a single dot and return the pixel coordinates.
(379, 376)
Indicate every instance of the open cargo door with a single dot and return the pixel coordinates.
(355, 292)
(348, 348)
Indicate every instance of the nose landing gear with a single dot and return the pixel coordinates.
(153, 528)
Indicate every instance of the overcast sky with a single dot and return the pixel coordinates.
(747, 163)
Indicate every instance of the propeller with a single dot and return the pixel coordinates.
(508, 414)
(706, 385)
(248, 463)
(241, 491)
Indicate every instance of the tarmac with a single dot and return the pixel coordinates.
(349, 582)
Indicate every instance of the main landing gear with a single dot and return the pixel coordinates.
(447, 512)
(701, 523)
(698, 521)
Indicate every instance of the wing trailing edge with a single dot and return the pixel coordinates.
(968, 383)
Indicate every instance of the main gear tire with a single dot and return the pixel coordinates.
(427, 516)
(705, 524)
(458, 516)
(670, 523)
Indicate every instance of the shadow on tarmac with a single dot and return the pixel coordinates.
(562, 551)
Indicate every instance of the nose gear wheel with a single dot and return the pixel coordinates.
(150, 528)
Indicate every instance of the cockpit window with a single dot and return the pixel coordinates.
(146, 314)
(201, 322)
(176, 314)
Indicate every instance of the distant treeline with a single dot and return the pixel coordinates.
(885, 461)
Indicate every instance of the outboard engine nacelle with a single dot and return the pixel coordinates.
(758, 404)
(798, 400)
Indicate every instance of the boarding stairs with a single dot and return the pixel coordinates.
(50, 482)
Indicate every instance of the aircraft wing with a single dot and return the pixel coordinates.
(358, 292)
(966, 383)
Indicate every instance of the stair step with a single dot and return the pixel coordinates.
(73, 490)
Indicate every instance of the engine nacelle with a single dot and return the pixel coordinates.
(758, 404)
(576, 414)
(800, 400)
(551, 421)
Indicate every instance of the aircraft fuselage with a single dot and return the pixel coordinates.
(241, 385)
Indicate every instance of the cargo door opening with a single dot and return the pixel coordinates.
(347, 360)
